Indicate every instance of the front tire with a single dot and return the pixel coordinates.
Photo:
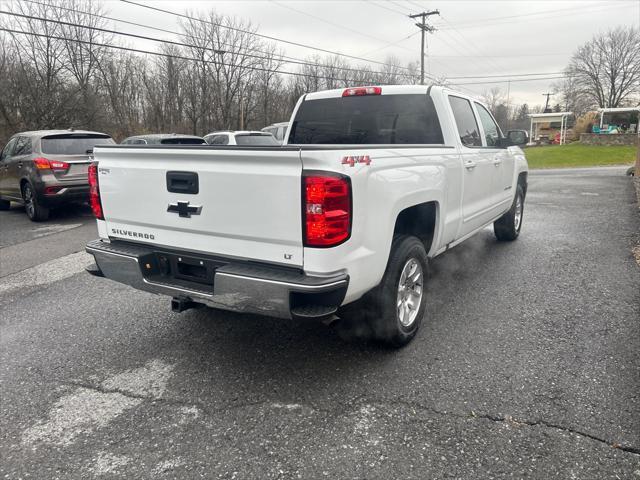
(393, 311)
(507, 228)
(35, 211)
(5, 204)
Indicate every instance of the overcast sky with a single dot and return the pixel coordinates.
(473, 37)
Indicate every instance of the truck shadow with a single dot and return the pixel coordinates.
(257, 343)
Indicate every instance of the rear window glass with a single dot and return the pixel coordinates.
(73, 144)
(183, 141)
(371, 119)
(256, 140)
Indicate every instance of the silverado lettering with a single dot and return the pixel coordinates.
(127, 233)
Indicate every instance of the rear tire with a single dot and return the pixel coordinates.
(507, 228)
(35, 211)
(393, 311)
(5, 204)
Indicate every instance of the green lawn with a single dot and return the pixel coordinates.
(579, 155)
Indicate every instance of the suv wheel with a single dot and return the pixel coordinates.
(35, 211)
(393, 311)
(507, 227)
(5, 204)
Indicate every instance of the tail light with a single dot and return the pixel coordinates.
(327, 209)
(46, 164)
(359, 91)
(94, 192)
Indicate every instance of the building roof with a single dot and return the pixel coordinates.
(548, 117)
(619, 109)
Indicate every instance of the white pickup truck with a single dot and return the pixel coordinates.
(341, 220)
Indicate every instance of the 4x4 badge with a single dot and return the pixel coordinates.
(351, 160)
(183, 209)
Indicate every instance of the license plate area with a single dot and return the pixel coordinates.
(179, 270)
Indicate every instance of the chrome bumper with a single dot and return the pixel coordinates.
(237, 286)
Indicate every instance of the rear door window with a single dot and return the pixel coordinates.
(369, 119)
(219, 140)
(23, 146)
(73, 144)
(256, 140)
(465, 121)
(492, 132)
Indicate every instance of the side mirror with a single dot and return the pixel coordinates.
(518, 137)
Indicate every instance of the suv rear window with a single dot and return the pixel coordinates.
(255, 139)
(73, 143)
(371, 119)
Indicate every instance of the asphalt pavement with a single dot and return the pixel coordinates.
(527, 364)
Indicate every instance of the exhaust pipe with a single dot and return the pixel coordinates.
(180, 304)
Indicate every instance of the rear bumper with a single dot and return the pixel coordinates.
(233, 285)
(66, 194)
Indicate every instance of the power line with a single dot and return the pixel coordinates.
(554, 13)
(508, 75)
(268, 37)
(170, 42)
(371, 2)
(177, 57)
(328, 22)
(509, 80)
(391, 44)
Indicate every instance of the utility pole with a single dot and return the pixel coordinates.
(546, 105)
(424, 28)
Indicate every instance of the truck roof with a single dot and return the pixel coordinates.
(386, 90)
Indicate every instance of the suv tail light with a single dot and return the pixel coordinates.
(46, 164)
(94, 192)
(327, 209)
(359, 91)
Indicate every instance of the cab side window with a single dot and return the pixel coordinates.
(491, 130)
(23, 146)
(219, 140)
(465, 121)
(8, 149)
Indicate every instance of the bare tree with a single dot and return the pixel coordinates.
(84, 47)
(606, 70)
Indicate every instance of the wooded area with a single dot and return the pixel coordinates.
(63, 65)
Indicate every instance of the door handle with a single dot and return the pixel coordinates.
(497, 161)
(470, 165)
(19, 164)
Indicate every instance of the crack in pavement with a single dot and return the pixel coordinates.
(358, 402)
(513, 421)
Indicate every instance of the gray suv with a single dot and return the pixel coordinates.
(47, 169)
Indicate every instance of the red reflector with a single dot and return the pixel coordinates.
(46, 164)
(52, 190)
(94, 192)
(327, 210)
(359, 91)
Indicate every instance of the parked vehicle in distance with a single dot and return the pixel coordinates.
(241, 137)
(46, 169)
(278, 130)
(342, 220)
(163, 139)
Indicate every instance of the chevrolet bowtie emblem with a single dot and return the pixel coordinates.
(183, 209)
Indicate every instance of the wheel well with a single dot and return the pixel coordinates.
(418, 220)
(522, 181)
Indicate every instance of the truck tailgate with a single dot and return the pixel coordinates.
(250, 200)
